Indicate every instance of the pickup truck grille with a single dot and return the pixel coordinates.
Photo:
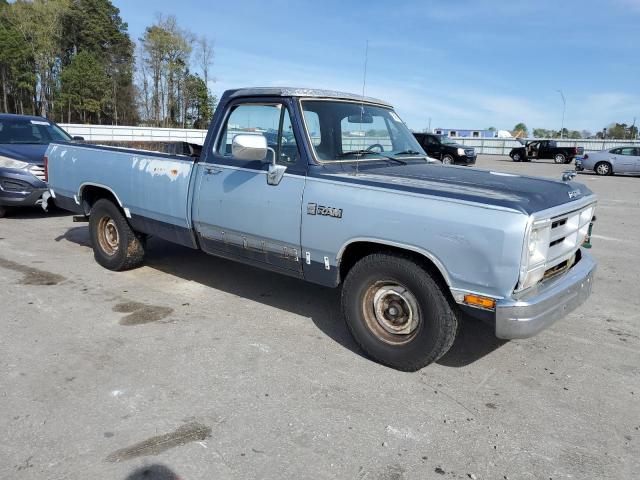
(37, 171)
(469, 152)
(568, 232)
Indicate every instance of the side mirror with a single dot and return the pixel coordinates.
(249, 147)
(78, 139)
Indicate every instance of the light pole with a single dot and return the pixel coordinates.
(564, 108)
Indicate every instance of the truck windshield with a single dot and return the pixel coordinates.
(38, 132)
(447, 141)
(348, 131)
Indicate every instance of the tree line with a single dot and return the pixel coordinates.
(73, 61)
(617, 131)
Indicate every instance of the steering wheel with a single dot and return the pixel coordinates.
(375, 145)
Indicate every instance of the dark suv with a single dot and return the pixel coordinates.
(23, 141)
(445, 149)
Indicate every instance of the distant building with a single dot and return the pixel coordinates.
(455, 133)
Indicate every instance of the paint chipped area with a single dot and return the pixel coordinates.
(162, 167)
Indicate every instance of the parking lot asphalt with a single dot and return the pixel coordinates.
(200, 368)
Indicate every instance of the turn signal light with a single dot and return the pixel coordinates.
(478, 301)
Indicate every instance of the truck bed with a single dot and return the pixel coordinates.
(151, 187)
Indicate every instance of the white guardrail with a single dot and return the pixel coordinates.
(487, 146)
(104, 133)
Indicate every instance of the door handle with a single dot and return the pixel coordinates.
(212, 170)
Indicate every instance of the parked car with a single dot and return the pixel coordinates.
(445, 149)
(544, 149)
(23, 141)
(412, 243)
(608, 162)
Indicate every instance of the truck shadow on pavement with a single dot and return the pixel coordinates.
(475, 339)
(153, 472)
(28, 213)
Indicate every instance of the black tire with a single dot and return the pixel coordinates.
(559, 158)
(115, 245)
(436, 319)
(516, 157)
(447, 160)
(603, 168)
(3, 211)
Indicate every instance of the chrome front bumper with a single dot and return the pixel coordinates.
(541, 306)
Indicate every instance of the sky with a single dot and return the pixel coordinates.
(463, 64)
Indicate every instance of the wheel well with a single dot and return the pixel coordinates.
(357, 250)
(90, 194)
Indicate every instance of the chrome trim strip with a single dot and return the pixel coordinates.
(561, 210)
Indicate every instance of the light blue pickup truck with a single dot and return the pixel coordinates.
(334, 189)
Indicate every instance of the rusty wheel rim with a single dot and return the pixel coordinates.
(391, 312)
(108, 236)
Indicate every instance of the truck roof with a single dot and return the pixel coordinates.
(300, 92)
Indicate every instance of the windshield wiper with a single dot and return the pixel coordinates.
(369, 152)
(410, 152)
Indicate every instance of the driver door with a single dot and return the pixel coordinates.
(236, 213)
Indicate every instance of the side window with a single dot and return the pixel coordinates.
(265, 120)
(431, 140)
(313, 125)
(626, 151)
(615, 151)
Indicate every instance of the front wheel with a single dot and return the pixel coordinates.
(516, 157)
(115, 245)
(603, 168)
(559, 158)
(397, 313)
(447, 160)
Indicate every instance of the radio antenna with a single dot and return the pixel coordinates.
(364, 83)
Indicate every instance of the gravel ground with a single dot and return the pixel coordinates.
(200, 368)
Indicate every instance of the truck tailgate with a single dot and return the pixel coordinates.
(152, 188)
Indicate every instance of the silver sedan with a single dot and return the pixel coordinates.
(608, 162)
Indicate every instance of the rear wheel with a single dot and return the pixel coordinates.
(559, 158)
(3, 211)
(397, 313)
(115, 245)
(603, 168)
(447, 160)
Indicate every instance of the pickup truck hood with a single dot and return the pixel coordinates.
(518, 192)
(31, 153)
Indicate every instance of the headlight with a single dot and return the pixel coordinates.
(461, 152)
(534, 256)
(7, 162)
